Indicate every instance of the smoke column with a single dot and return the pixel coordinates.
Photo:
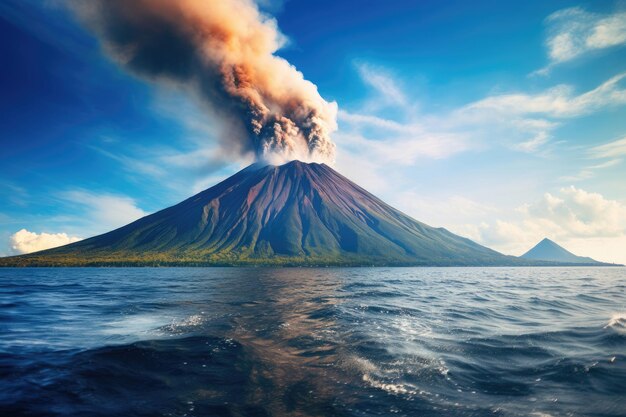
(223, 50)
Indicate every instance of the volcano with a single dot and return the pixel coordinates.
(548, 250)
(293, 214)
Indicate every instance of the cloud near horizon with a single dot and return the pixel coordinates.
(25, 241)
(93, 214)
(569, 217)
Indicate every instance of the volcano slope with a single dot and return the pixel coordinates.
(293, 214)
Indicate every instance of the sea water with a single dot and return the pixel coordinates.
(313, 342)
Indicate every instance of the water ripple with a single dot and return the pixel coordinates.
(308, 342)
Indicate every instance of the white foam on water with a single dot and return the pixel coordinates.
(184, 325)
(386, 378)
(360, 364)
(134, 325)
(410, 326)
(617, 323)
(404, 389)
(152, 325)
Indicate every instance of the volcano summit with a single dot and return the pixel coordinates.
(293, 214)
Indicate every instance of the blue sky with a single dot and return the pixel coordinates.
(502, 121)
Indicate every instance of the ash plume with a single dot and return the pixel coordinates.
(222, 50)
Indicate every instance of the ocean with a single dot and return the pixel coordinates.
(313, 342)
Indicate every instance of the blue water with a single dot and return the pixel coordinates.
(311, 342)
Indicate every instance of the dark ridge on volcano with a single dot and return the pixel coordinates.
(293, 214)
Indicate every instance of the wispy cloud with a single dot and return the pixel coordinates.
(406, 149)
(201, 160)
(590, 171)
(101, 212)
(133, 165)
(611, 153)
(527, 120)
(613, 149)
(375, 121)
(13, 193)
(608, 164)
(390, 93)
(556, 102)
(191, 156)
(574, 32)
(206, 182)
(533, 144)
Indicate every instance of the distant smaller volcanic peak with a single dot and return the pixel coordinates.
(548, 250)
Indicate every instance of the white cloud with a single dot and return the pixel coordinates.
(575, 32)
(576, 212)
(588, 221)
(25, 241)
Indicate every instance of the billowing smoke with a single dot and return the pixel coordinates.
(224, 51)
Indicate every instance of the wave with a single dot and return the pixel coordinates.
(617, 323)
